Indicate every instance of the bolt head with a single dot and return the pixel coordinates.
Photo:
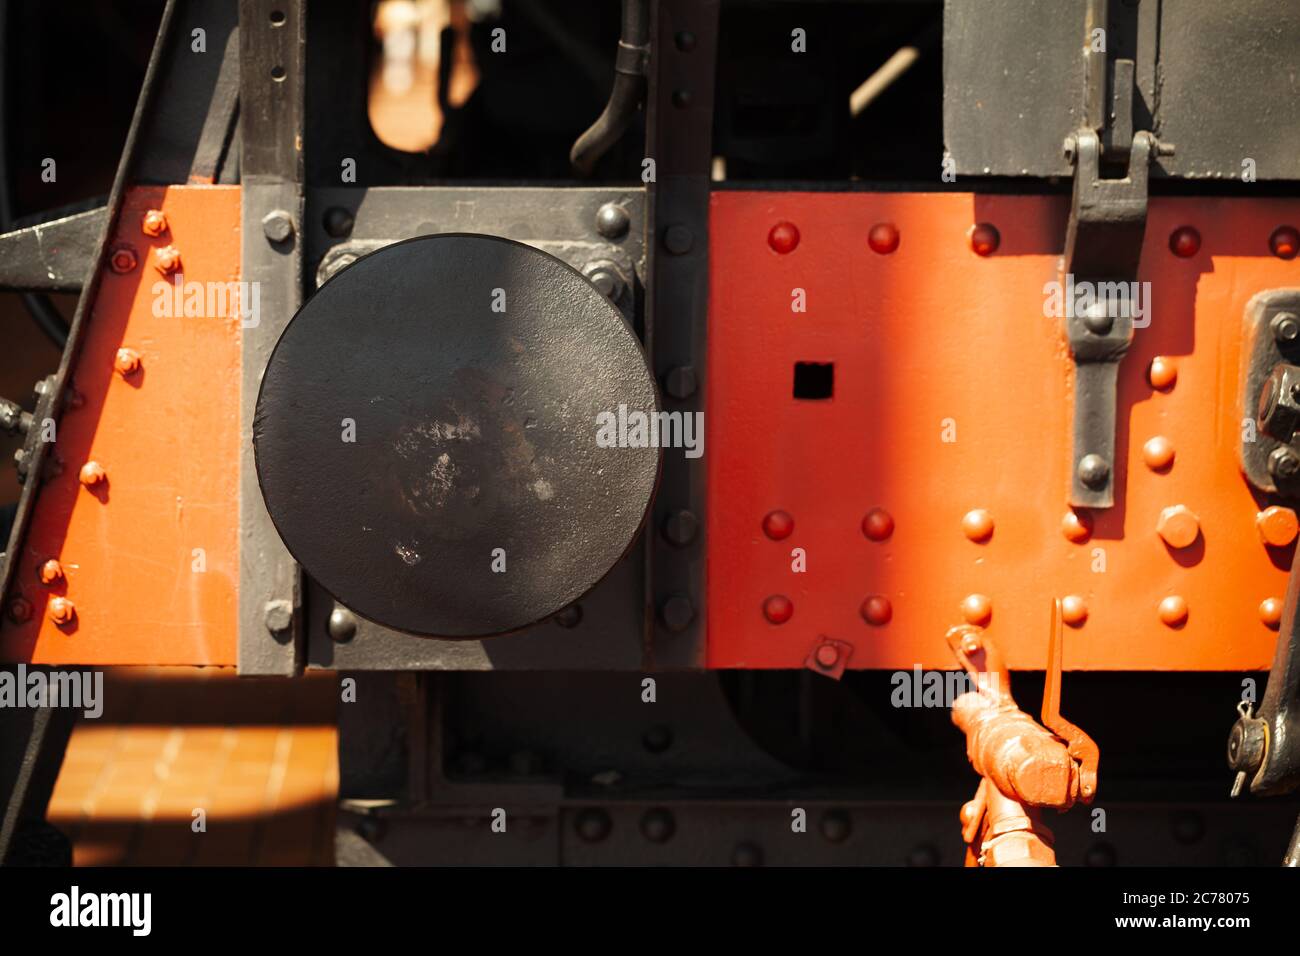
(1285, 328)
(613, 220)
(168, 259)
(828, 655)
(607, 278)
(51, 572)
(1283, 463)
(1178, 527)
(61, 611)
(92, 473)
(123, 260)
(153, 222)
(277, 225)
(1094, 471)
(279, 616)
(20, 610)
(127, 362)
(1277, 526)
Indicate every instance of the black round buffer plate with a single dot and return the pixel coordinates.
(428, 436)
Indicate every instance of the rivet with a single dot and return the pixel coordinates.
(976, 608)
(167, 259)
(20, 610)
(680, 382)
(658, 825)
(122, 260)
(778, 525)
(61, 610)
(1163, 372)
(338, 222)
(883, 238)
(681, 98)
(877, 610)
(1178, 526)
(836, 825)
(342, 625)
(783, 238)
(1158, 453)
(1277, 526)
(677, 613)
(1270, 612)
(1185, 242)
(778, 609)
(680, 527)
(684, 40)
(593, 824)
(1173, 611)
(678, 239)
(1285, 242)
(612, 220)
(126, 362)
(878, 524)
(92, 473)
(977, 525)
(828, 655)
(1074, 611)
(747, 854)
(984, 239)
(569, 616)
(153, 222)
(1094, 471)
(51, 572)
(277, 225)
(1076, 526)
(278, 616)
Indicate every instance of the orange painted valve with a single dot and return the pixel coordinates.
(1024, 765)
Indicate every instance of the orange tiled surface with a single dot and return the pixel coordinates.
(258, 756)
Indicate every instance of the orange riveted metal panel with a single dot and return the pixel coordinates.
(929, 487)
(143, 517)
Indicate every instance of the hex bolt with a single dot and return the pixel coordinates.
(342, 624)
(680, 527)
(612, 221)
(338, 222)
(1178, 526)
(92, 473)
(20, 610)
(51, 572)
(279, 616)
(126, 362)
(61, 611)
(1094, 471)
(607, 277)
(123, 260)
(680, 382)
(153, 223)
(277, 225)
(1277, 526)
(677, 613)
(168, 260)
(1285, 328)
(1283, 463)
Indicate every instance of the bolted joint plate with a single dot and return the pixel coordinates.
(1262, 351)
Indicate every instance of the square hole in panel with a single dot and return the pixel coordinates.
(814, 380)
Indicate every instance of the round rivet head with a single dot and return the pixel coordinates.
(977, 525)
(680, 382)
(51, 572)
(1277, 526)
(1074, 610)
(61, 610)
(878, 524)
(783, 238)
(338, 222)
(828, 655)
(678, 239)
(278, 616)
(1185, 242)
(612, 220)
(778, 609)
(680, 528)
(126, 362)
(1177, 526)
(1094, 471)
(342, 625)
(778, 525)
(92, 473)
(1173, 611)
(1158, 453)
(277, 225)
(976, 608)
(1163, 372)
(877, 611)
(153, 222)
(1076, 526)
(1270, 612)
(20, 610)
(883, 238)
(984, 239)
(1285, 242)
(570, 616)
(677, 613)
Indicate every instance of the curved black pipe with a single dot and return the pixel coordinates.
(628, 91)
